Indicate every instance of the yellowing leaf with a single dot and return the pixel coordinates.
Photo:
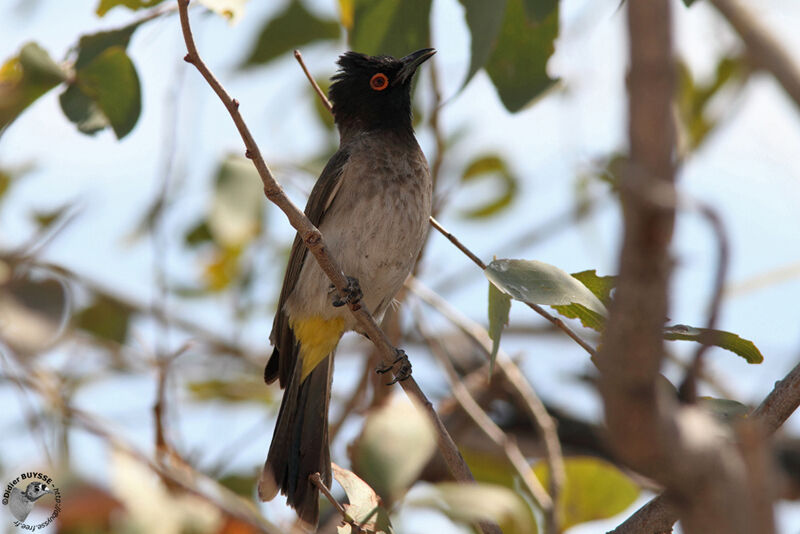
(364, 504)
(470, 503)
(499, 307)
(594, 489)
(395, 444)
(25, 78)
(238, 203)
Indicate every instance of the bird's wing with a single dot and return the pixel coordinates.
(283, 357)
(19, 504)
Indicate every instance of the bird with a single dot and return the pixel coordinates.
(372, 203)
(21, 502)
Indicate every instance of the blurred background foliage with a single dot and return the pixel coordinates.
(65, 332)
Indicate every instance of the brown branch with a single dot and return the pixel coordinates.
(555, 321)
(762, 47)
(660, 513)
(682, 448)
(507, 444)
(315, 479)
(312, 238)
(522, 388)
(325, 102)
(688, 389)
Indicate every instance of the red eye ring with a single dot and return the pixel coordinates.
(379, 82)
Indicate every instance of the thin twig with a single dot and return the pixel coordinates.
(315, 479)
(534, 406)
(327, 103)
(660, 513)
(312, 238)
(688, 389)
(490, 428)
(555, 321)
(762, 46)
(459, 245)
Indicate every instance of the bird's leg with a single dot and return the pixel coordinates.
(401, 364)
(352, 293)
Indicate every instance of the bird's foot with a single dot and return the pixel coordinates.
(352, 293)
(401, 367)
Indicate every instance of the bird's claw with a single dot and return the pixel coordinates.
(401, 367)
(352, 293)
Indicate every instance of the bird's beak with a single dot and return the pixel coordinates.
(411, 62)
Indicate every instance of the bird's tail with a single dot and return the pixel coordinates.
(299, 445)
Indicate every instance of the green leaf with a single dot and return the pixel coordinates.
(198, 234)
(539, 10)
(239, 483)
(92, 45)
(601, 286)
(688, 3)
(9, 176)
(470, 503)
(46, 218)
(5, 182)
(693, 98)
(587, 317)
(105, 5)
(105, 318)
(594, 489)
(718, 338)
(484, 20)
(110, 80)
(490, 166)
(293, 28)
(238, 204)
(364, 504)
(492, 467)
(396, 442)
(82, 110)
(499, 306)
(540, 283)
(392, 27)
(725, 410)
(242, 389)
(25, 78)
(518, 63)
(31, 311)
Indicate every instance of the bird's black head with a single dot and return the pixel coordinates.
(374, 92)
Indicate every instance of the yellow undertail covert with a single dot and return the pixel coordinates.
(317, 337)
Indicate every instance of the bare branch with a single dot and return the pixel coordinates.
(492, 431)
(762, 47)
(555, 321)
(325, 102)
(774, 410)
(522, 388)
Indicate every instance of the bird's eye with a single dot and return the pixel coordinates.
(379, 82)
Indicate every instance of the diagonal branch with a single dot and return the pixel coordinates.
(762, 47)
(313, 240)
(660, 514)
